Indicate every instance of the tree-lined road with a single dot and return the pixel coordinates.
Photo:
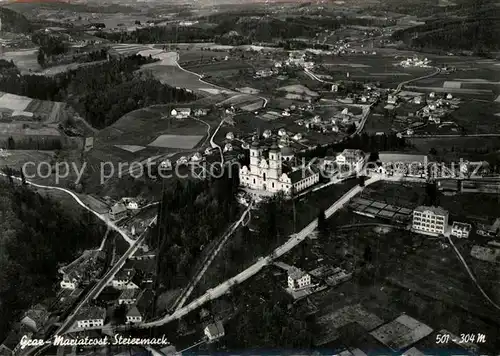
(294, 240)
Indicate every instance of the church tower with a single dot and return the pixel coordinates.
(275, 169)
(255, 154)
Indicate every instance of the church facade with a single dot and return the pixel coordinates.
(265, 174)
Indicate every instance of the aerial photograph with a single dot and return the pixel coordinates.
(249, 177)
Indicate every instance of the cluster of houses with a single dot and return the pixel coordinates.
(183, 113)
(301, 283)
(82, 271)
(415, 62)
(122, 208)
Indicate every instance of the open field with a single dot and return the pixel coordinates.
(25, 60)
(176, 77)
(379, 68)
(14, 102)
(187, 56)
(176, 141)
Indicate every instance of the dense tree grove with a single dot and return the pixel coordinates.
(36, 235)
(191, 215)
(101, 93)
(269, 325)
(475, 29)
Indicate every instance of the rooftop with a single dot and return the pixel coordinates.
(130, 294)
(462, 226)
(216, 328)
(133, 312)
(91, 313)
(435, 209)
(296, 273)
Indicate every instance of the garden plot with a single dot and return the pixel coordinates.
(401, 332)
(14, 102)
(176, 141)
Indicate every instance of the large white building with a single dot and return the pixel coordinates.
(265, 174)
(298, 279)
(430, 220)
(354, 160)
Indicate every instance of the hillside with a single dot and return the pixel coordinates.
(474, 29)
(36, 235)
(13, 21)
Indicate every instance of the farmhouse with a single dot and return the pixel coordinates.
(35, 318)
(125, 279)
(181, 113)
(265, 174)
(214, 331)
(118, 211)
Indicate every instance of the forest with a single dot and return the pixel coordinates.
(476, 29)
(192, 214)
(101, 93)
(36, 235)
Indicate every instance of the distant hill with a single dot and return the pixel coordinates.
(31, 7)
(472, 28)
(13, 21)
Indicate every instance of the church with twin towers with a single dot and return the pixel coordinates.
(271, 170)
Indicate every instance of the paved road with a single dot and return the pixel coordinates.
(294, 240)
(200, 274)
(400, 85)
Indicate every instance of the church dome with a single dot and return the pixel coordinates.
(274, 148)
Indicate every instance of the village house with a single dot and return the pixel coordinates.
(266, 134)
(130, 203)
(133, 316)
(69, 281)
(181, 113)
(214, 331)
(298, 279)
(89, 317)
(125, 279)
(392, 99)
(460, 230)
(166, 164)
(118, 211)
(200, 112)
(129, 296)
(35, 318)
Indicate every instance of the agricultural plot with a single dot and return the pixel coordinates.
(128, 49)
(195, 55)
(176, 141)
(14, 102)
(401, 333)
(176, 77)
